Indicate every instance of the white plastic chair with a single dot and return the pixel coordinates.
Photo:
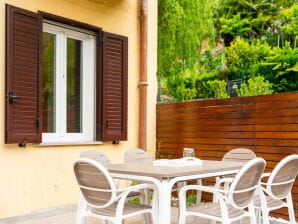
(234, 155)
(276, 192)
(96, 155)
(232, 205)
(104, 160)
(106, 201)
(139, 156)
(238, 155)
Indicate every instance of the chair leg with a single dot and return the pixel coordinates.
(253, 220)
(182, 219)
(290, 208)
(196, 220)
(81, 210)
(258, 215)
(84, 220)
(263, 207)
(182, 208)
(180, 185)
(199, 193)
(198, 199)
(265, 215)
(142, 197)
(146, 218)
(119, 221)
(251, 211)
(145, 200)
(153, 218)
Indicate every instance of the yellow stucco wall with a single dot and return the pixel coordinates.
(35, 178)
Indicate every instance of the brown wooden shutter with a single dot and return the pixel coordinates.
(23, 79)
(115, 54)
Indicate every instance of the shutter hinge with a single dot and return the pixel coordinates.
(37, 125)
(12, 97)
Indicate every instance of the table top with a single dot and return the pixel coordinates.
(148, 169)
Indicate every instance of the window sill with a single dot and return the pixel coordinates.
(67, 143)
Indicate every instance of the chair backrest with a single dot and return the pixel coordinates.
(283, 176)
(245, 182)
(96, 155)
(95, 182)
(136, 155)
(239, 154)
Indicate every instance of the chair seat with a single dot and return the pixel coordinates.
(213, 209)
(128, 208)
(271, 202)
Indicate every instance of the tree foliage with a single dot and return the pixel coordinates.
(281, 69)
(203, 44)
(255, 86)
(261, 15)
(183, 25)
(242, 57)
(219, 88)
(289, 23)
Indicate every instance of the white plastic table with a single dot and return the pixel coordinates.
(165, 177)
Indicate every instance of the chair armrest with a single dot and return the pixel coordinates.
(218, 193)
(224, 180)
(135, 188)
(201, 188)
(124, 192)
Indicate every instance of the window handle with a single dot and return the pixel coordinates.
(12, 97)
(107, 123)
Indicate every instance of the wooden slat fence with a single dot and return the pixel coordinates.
(268, 125)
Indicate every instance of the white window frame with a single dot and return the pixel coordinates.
(87, 80)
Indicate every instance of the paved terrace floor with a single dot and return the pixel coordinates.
(68, 217)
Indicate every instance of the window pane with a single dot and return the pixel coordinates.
(74, 123)
(48, 82)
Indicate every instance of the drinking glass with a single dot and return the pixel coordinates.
(188, 152)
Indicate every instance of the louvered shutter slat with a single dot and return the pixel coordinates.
(23, 39)
(114, 87)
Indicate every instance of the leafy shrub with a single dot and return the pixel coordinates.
(219, 88)
(281, 69)
(241, 57)
(234, 26)
(255, 86)
(183, 85)
(203, 86)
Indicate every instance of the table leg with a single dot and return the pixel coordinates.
(164, 202)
